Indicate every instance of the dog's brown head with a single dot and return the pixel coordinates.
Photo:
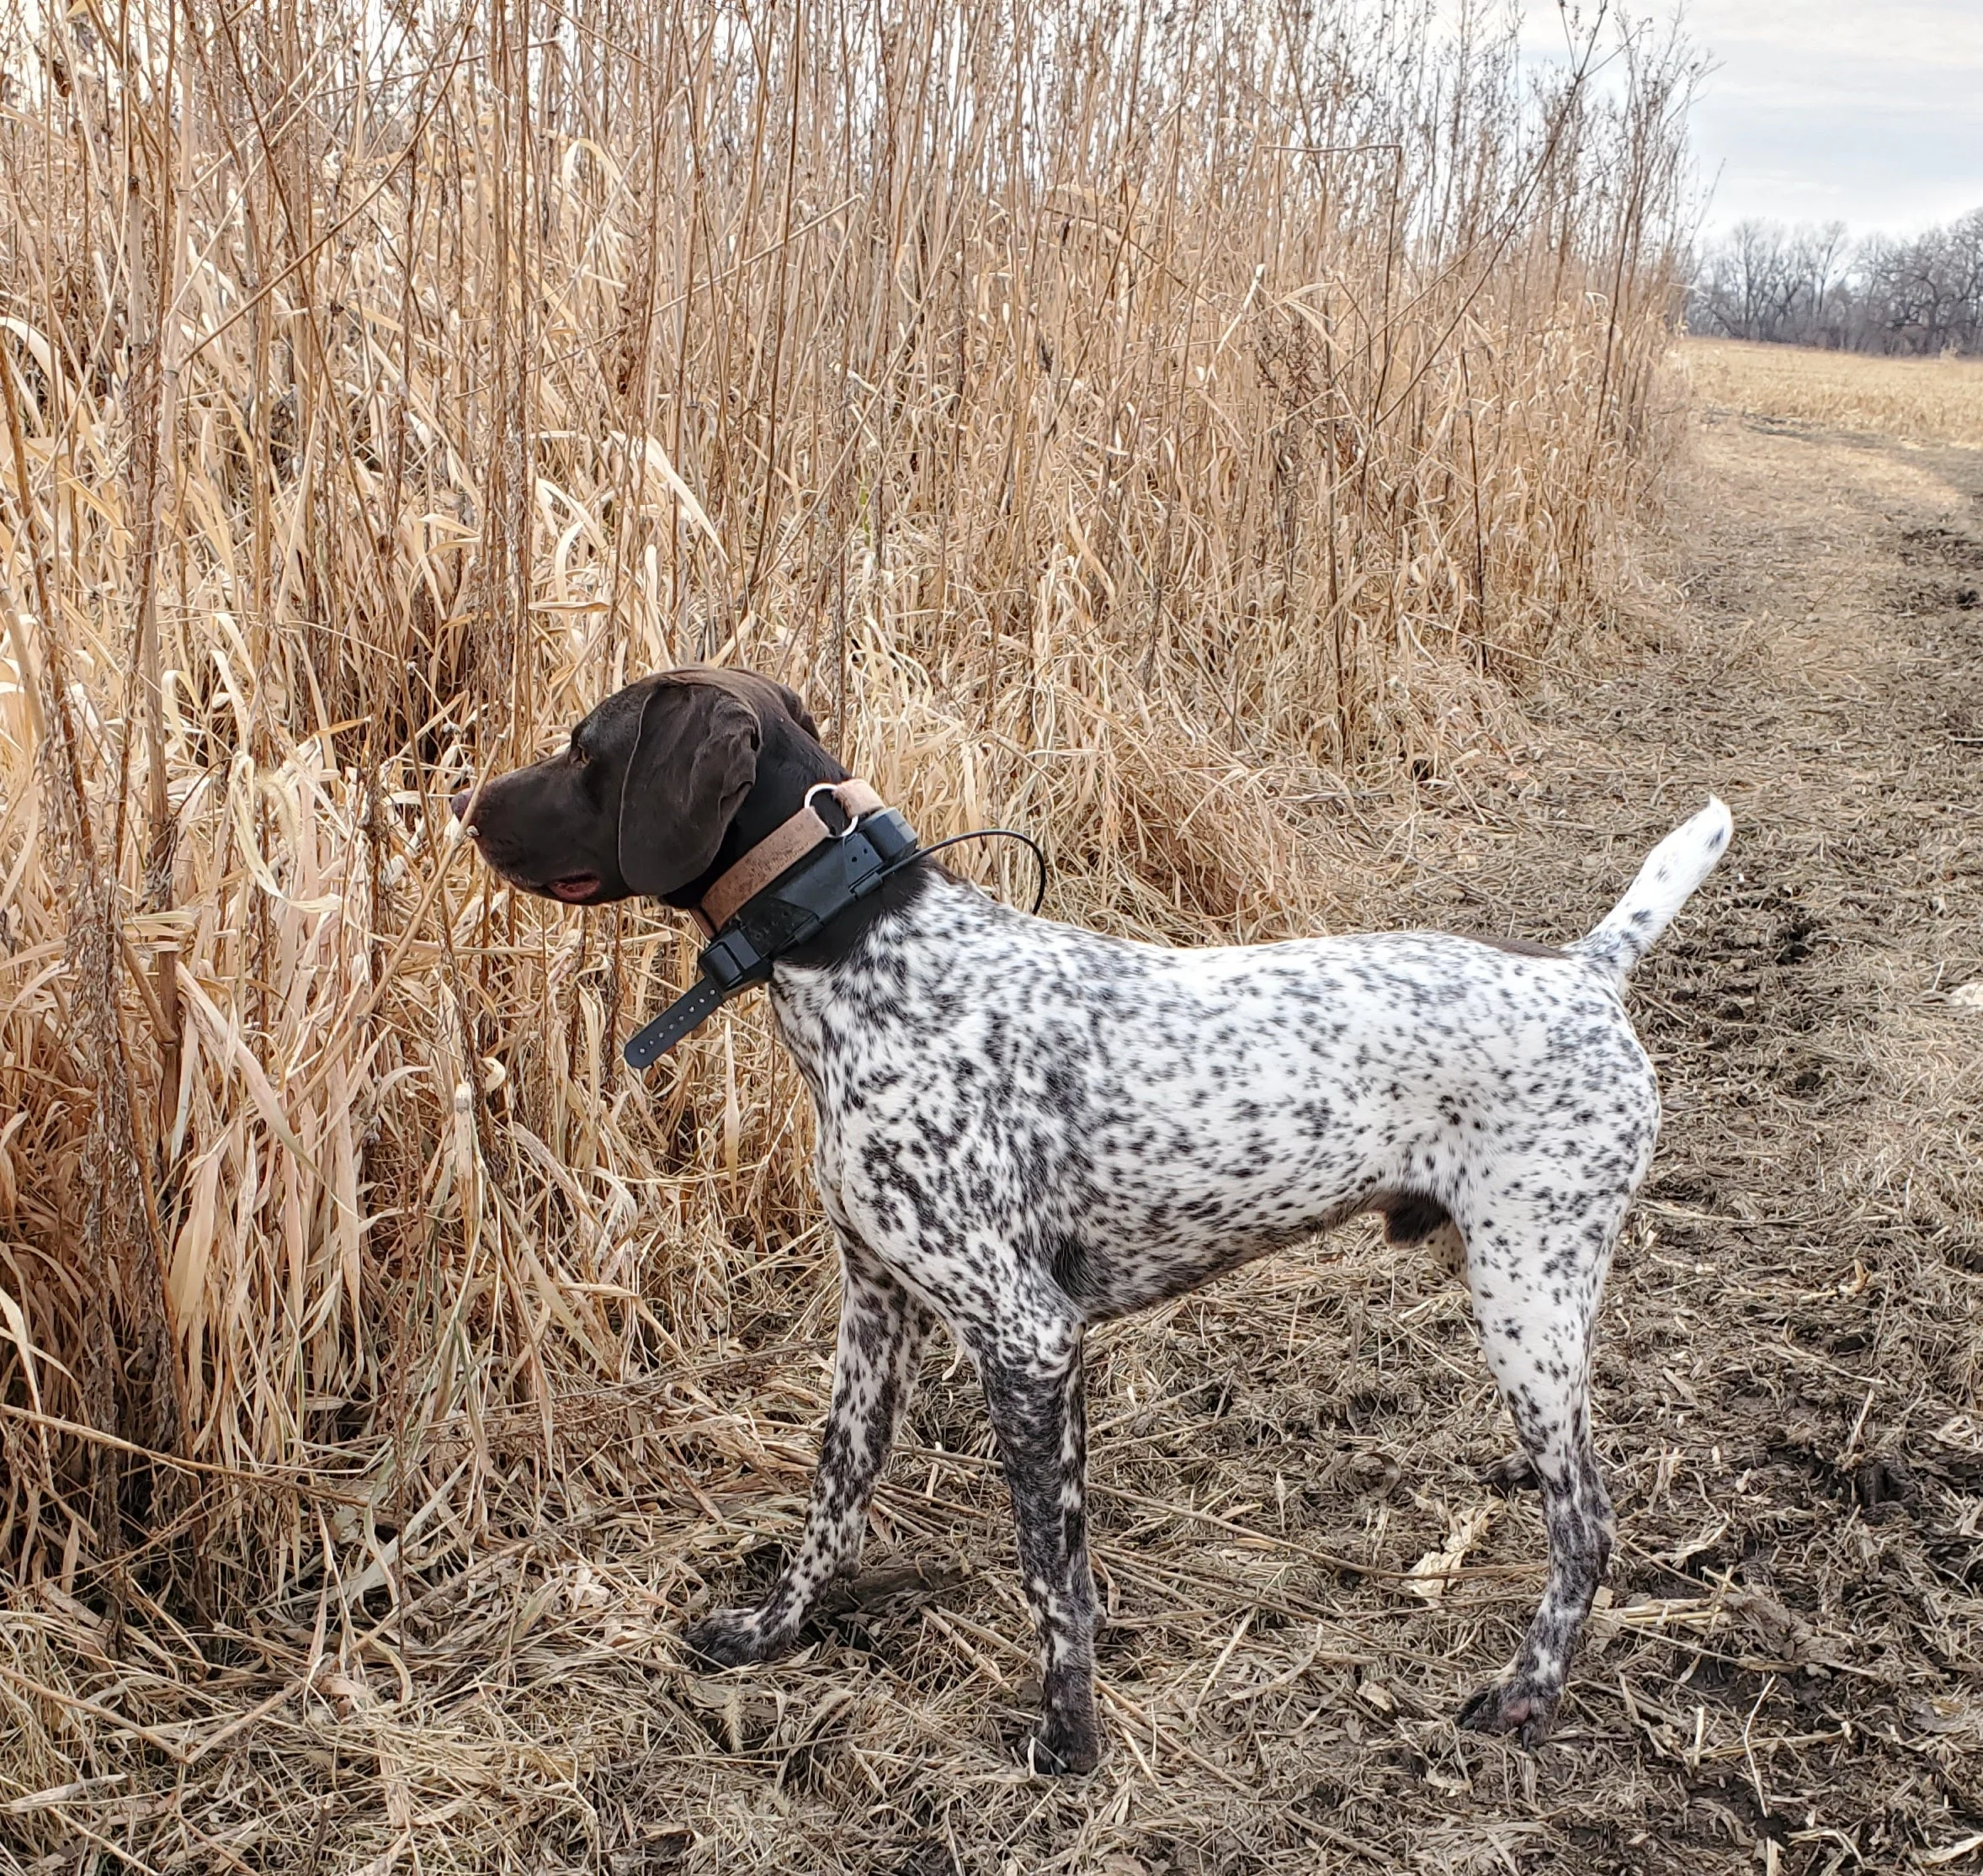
(665, 786)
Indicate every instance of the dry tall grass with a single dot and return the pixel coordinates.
(1127, 422)
(1917, 400)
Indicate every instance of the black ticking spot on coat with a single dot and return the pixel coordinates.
(1412, 1217)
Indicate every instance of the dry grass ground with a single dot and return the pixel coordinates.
(1786, 1678)
(474, 1369)
(1913, 401)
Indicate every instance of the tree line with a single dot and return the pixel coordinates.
(1812, 284)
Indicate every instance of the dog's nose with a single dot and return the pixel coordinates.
(459, 805)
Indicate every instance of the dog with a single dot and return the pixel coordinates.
(1024, 1128)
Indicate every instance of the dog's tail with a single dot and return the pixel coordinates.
(1666, 881)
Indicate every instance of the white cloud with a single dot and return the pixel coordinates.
(1863, 111)
(1868, 112)
(1939, 34)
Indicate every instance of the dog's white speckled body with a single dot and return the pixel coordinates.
(1024, 1128)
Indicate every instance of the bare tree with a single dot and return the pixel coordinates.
(1810, 285)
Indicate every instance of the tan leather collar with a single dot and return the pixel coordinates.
(785, 845)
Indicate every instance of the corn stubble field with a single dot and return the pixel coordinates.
(1923, 402)
(1178, 433)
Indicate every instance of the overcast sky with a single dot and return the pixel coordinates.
(1866, 111)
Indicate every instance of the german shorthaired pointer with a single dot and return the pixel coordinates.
(1025, 1128)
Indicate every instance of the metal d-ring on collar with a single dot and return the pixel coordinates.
(834, 871)
(853, 818)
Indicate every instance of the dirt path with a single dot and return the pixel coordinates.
(1791, 1376)
(1787, 1678)
(1789, 1379)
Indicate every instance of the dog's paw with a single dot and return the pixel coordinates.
(1513, 1472)
(1060, 1748)
(733, 1638)
(1508, 1706)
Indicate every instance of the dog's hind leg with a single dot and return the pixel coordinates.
(1536, 1288)
(882, 1331)
(1033, 1388)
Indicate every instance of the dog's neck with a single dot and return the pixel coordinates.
(789, 763)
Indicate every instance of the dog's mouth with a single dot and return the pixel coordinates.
(575, 888)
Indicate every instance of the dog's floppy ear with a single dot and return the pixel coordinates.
(693, 763)
(795, 709)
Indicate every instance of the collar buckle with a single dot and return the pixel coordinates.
(733, 963)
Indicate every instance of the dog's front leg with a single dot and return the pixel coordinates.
(1033, 1387)
(882, 1331)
